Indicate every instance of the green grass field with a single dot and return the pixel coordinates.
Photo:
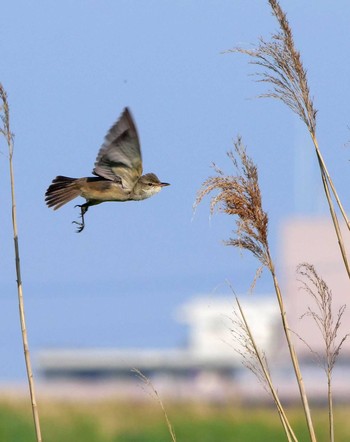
(144, 422)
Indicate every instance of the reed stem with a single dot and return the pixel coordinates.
(9, 139)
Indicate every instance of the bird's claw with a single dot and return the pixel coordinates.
(80, 226)
(83, 210)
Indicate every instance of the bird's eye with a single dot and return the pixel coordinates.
(150, 184)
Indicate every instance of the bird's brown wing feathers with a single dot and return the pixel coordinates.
(119, 158)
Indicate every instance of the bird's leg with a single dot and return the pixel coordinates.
(83, 210)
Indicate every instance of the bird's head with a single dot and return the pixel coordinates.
(149, 185)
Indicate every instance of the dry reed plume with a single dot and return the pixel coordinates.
(240, 195)
(284, 70)
(8, 135)
(328, 325)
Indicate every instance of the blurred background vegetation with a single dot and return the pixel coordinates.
(126, 421)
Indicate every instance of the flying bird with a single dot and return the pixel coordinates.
(118, 173)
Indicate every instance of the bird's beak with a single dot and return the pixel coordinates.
(164, 184)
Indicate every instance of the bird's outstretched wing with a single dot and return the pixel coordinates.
(119, 158)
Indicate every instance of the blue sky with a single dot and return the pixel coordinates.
(69, 69)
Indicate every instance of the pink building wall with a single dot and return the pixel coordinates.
(313, 240)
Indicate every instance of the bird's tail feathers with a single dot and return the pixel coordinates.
(62, 190)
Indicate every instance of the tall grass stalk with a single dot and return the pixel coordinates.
(328, 325)
(293, 354)
(245, 340)
(240, 196)
(284, 71)
(6, 132)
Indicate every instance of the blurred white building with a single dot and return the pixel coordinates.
(211, 347)
(211, 320)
